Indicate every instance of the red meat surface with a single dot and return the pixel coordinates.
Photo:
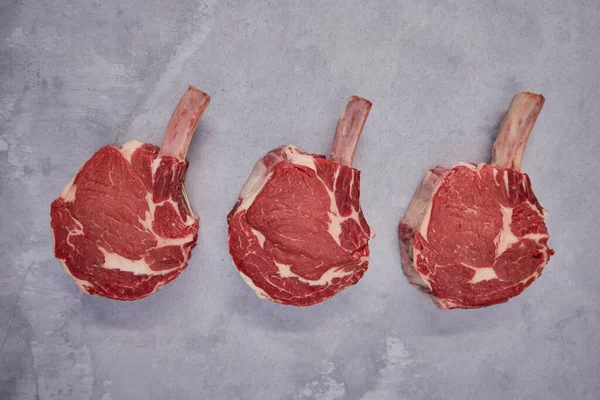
(297, 234)
(123, 226)
(474, 235)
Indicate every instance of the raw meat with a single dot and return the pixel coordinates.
(123, 226)
(474, 235)
(297, 233)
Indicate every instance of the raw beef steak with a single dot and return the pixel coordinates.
(474, 235)
(123, 226)
(297, 233)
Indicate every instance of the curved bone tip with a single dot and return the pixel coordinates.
(198, 92)
(361, 99)
(531, 96)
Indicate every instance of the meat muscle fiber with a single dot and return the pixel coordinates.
(297, 234)
(474, 235)
(123, 226)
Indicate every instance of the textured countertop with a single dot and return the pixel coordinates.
(78, 75)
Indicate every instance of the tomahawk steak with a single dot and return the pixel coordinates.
(474, 235)
(297, 234)
(123, 226)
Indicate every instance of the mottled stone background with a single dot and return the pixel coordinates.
(77, 75)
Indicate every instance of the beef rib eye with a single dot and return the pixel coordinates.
(297, 234)
(474, 235)
(123, 226)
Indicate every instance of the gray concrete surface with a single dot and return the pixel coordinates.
(77, 75)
